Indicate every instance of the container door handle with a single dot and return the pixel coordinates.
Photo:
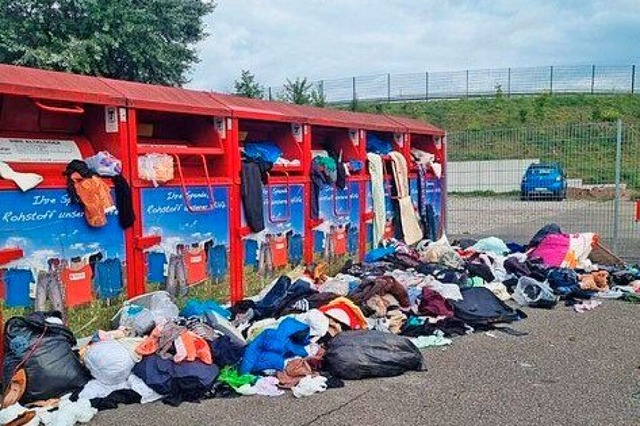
(75, 109)
(185, 198)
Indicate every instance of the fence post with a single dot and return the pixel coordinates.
(388, 87)
(551, 79)
(616, 205)
(426, 86)
(270, 96)
(633, 78)
(593, 77)
(467, 83)
(509, 82)
(353, 89)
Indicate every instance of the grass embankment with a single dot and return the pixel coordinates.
(502, 112)
(542, 127)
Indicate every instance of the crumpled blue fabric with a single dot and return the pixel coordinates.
(282, 291)
(377, 145)
(563, 281)
(269, 350)
(263, 150)
(199, 308)
(379, 253)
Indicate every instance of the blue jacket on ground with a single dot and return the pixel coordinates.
(269, 350)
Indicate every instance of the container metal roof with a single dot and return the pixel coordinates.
(242, 107)
(42, 84)
(348, 119)
(166, 98)
(417, 126)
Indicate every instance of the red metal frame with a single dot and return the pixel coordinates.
(10, 254)
(418, 128)
(185, 197)
(6, 256)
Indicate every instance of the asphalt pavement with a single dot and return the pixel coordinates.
(571, 369)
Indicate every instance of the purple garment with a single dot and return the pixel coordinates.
(434, 305)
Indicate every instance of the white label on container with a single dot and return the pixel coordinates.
(110, 119)
(38, 150)
(296, 130)
(354, 135)
(219, 123)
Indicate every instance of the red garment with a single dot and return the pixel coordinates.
(279, 251)
(339, 240)
(77, 285)
(346, 312)
(434, 305)
(196, 264)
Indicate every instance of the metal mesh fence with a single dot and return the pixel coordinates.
(494, 189)
(477, 83)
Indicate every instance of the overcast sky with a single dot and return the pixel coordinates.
(323, 39)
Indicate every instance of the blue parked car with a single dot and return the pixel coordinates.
(544, 180)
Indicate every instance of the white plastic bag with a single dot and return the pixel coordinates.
(530, 292)
(138, 318)
(163, 308)
(109, 362)
(157, 168)
(104, 164)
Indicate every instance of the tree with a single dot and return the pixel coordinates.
(248, 87)
(150, 41)
(317, 97)
(297, 91)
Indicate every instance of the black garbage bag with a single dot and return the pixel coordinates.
(354, 355)
(44, 350)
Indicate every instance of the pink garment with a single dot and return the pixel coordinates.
(552, 250)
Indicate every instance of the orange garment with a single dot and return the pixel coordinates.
(389, 232)
(96, 198)
(77, 285)
(150, 344)
(196, 263)
(196, 348)
(339, 237)
(595, 281)
(279, 251)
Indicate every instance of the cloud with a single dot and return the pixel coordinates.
(168, 244)
(16, 242)
(78, 246)
(200, 236)
(36, 260)
(324, 39)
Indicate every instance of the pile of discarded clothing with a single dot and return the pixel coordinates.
(304, 333)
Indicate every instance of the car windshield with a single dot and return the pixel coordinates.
(540, 171)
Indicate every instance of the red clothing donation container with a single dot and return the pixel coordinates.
(336, 228)
(390, 131)
(432, 140)
(48, 119)
(283, 243)
(181, 170)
